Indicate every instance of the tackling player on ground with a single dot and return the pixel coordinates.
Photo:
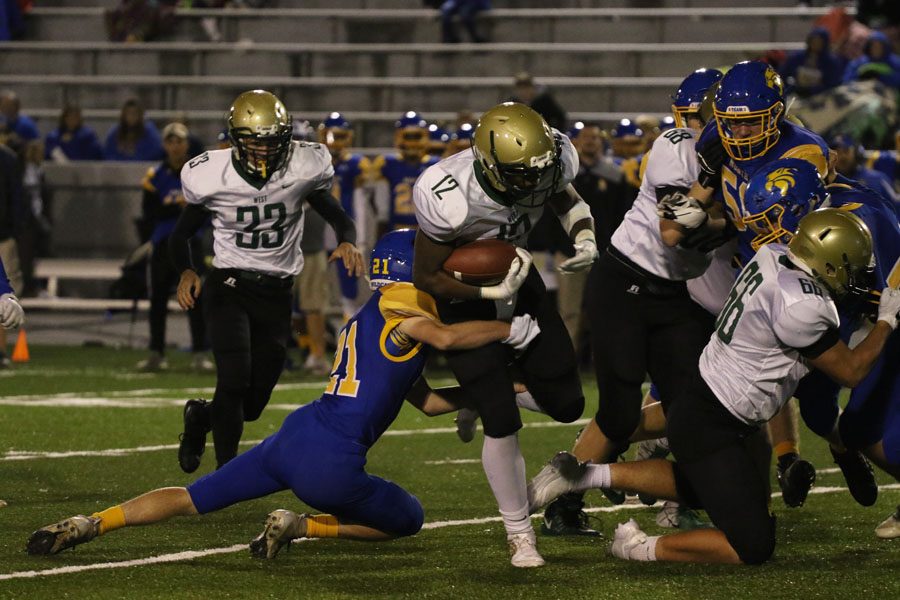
(320, 451)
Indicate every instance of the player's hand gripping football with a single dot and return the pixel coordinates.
(522, 330)
(11, 313)
(889, 306)
(188, 289)
(682, 209)
(515, 277)
(352, 257)
(585, 254)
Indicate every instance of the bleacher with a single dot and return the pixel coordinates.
(371, 59)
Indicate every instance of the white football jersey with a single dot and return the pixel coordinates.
(671, 162)
(711, 289)
(452, 205)
(752, 362)
(257, 229)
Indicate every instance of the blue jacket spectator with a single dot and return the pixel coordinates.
(133, 138)
(12, 24)
(815, 69)
(877, 62)
(16, 123)
(72, 140)
(850, 164)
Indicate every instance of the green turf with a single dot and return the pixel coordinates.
(825, 549)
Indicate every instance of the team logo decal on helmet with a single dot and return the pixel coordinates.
(260, 128)
(778, 196)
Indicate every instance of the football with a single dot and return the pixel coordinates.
(482, 262)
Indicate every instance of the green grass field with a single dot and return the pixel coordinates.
(68, 404)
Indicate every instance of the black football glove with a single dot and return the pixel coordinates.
(710, 157)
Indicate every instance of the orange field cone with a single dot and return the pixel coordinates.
(20, 352)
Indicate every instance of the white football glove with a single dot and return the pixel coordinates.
(521, 331)
(585, 254)
(515, 277)
(11, 313)
(682, 209)
(889, 306)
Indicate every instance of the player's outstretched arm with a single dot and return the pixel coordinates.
(849, 367)
(471, 334)
(324, 203)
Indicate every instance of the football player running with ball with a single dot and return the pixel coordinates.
(780, 321)
(320, 451)
(255, 192)
(518, 165)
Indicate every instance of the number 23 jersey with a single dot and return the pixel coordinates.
(773, 317)
(257, 226)
(453, 205)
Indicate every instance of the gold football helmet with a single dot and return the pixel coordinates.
(259, 127)
(518, 153)
(835, 247)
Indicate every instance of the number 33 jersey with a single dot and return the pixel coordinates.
(774, 316)
(257, 225)
(455, 203)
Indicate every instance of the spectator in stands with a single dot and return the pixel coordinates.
(850, 156)
(467, 11)
(311, 291)
(133, 138)
(812, 70)
(12, 25)
(10, 206)
(21, 128)
(140, 20)
(196, 147)
(33, 226)
(877, 62)
(72, 140)
(540, 99)
(883, 15)
(162, 205)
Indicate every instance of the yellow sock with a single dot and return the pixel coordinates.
(321, 526)
(111, 519)
(783, 448)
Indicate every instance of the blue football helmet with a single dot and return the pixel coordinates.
(625, 128)
(411, 135)
(335, 132)
(667, 123)
(392, 258)
(778, 196)
(749, 107)
(690, 94)
(437, 139)
(575, 130)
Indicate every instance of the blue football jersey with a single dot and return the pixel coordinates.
(400, 176)
(348, 175)
(166, 184)
(375, 364)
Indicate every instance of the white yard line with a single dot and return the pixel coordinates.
(192, 554)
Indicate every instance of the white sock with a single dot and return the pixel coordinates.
(645, 551)
(505, 469)
(595, 476)
(526, 400)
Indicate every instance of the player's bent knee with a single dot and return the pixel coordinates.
(755, 545)
(410, 520)
(618, 427)
(567, 411)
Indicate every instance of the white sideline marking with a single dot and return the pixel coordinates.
(30, 455)
(192, 554)
(454, 461)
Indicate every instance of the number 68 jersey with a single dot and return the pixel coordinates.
(454, 201)
(257, 225)
(774, 316)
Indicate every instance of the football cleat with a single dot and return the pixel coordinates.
(523, 550)
(282, 527)
(649, 449)
(890, 527)
(628, 536)
(859, 475)
(674, 516)
(153, 363)
(565, 516)
(466, 424)
(559, 476)
(55, 538)
(192, 442)
(795, 481)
